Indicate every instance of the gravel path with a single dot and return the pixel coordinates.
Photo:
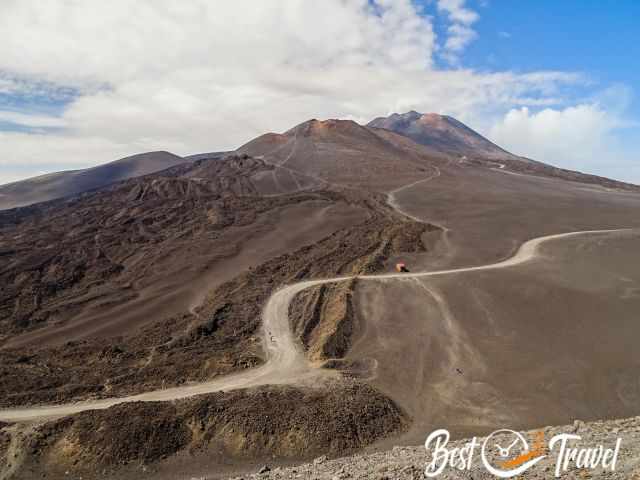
(286, 362)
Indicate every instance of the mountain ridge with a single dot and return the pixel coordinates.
(314, 149)
(174, 272)
(442, 132)
(403, 143)
(66, 183)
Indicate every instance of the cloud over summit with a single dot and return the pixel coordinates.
(201, 75)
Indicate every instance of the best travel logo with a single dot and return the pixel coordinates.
(507, 453)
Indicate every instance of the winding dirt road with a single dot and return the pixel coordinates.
(285, 360)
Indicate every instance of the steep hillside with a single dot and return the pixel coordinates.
(409, 337)
(442, 133)
(164, 284)
(65, 184)
(168, 267)
(342, 152)
(445, 135)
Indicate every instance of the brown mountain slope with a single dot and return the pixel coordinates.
(139, 241)
(160, 280)
(343, 152)
(409, 337)
(346, 153)
(171, 272)
(539, 344)
(445, 135)
(64, 184)
(168, 268)
(442, 133)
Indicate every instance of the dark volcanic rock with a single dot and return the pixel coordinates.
(216, 428)
(104, 250)
(144, 432)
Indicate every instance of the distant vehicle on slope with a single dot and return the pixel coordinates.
(401, 268)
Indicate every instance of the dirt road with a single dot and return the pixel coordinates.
(285, 362)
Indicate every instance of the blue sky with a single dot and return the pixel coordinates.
(590, 36)
(595, 38)
(83, 83)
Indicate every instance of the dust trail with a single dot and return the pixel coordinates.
(461, 351)
(293, 149)
(392, 201)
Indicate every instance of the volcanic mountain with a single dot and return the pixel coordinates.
(285, 252)
(341, 152)
(64, 184)
(442, 133)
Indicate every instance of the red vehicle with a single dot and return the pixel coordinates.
(401, 268)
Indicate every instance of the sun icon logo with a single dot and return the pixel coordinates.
(506, 453)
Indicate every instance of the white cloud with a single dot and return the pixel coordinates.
(564, 136)
(63, 151)
(32, 120)
(204, 75)
(459, 37)
(460, 33)
(580, 137)
(458, 12)
(83, 42)
(32, 88)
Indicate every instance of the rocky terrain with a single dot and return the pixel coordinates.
(112, 245)
(409, 463)
(224, 428)
(162, 281)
